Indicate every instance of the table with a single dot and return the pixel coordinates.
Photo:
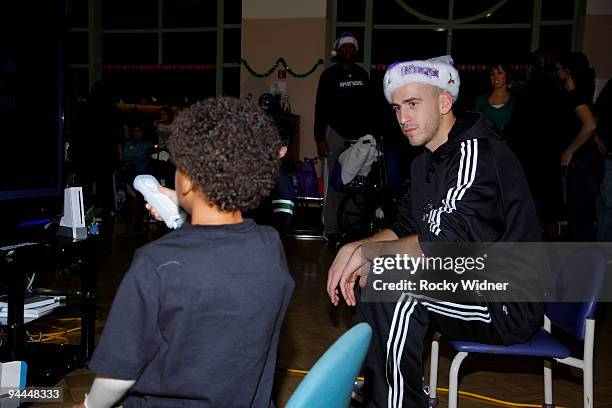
(16, 261)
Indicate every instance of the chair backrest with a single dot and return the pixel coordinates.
(330, 381)
(580, 277)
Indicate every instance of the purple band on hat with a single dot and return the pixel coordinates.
(438, 72)
(415, 69)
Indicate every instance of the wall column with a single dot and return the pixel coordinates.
(296, 31)
(597, 29)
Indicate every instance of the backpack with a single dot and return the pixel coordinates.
(305, 181)
(351, 169)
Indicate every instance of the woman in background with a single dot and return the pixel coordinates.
(497, 105)
(580, 155)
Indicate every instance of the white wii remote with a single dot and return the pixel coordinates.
(167, 209)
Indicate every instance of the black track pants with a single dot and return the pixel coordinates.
(393, 367)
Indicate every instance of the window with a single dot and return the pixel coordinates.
(472, 46)
(190, 13)
(473, 32)
(390, 12)
(479, 33)
(190, 48)
(414, 44)
(231, 45)
(76, 13)
(232, 11)
(351, 10)
(434, 9)
(511, 12)
(556, 38)
(129, 48)
(77, 47)
(558, 9)
(135, 38)
(120, 14)
(467, 8)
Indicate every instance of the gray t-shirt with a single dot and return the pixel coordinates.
(197, 318)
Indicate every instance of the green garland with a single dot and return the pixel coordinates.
(281, 61)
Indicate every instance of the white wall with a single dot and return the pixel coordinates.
(296, 30)
(253, 9)
(599, 7)
(595, 41)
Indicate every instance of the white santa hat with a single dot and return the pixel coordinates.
(345, 38)
(438, 72)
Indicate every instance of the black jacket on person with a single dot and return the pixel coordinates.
(472, 189)
(536, 135)
(343, 102)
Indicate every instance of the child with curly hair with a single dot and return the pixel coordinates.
(197, 318)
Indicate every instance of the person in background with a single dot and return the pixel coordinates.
(162, 166)
(534, 133)
(603, 139)
(276, 209)
(283, 194)
(96, 143)
(136, 151)
(197, 318)
(342, 113)
(162, 126)
(136, 160)
(580, 156)
(497, 105)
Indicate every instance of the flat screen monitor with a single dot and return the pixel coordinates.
(31, 108)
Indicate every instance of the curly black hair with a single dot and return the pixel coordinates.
(228, 147)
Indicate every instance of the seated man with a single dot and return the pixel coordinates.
(276, 209)
(197, 318)
(466, 186)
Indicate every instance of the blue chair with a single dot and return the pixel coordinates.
(330, 381)
(586, 267)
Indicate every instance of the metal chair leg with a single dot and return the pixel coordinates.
(453, 380)
(433, 372)
(548, 394)
(587, 371)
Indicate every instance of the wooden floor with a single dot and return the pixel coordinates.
(312, 325)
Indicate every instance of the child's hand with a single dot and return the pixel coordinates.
(167, 191)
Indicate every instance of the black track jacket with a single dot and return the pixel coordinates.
(473, 189)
